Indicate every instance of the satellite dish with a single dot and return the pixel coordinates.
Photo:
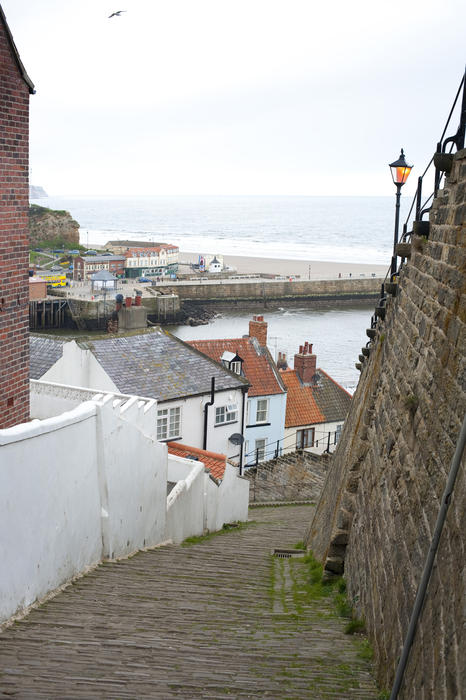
(236, 439)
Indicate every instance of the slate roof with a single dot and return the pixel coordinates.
(258, 365)
(213, 461)
(324, 402)
(159, 365)
(44, 352)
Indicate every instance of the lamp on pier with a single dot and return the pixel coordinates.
(400, 172)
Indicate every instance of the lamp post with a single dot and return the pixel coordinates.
(400, 171)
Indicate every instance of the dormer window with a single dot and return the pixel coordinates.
(232, 361)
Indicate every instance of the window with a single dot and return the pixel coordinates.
(262, 412)
(304, 438)
(168, 423)
(226, 414)
(259, 452)
(235, 367)
(338, 430)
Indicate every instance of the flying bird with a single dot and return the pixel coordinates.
(116, 14)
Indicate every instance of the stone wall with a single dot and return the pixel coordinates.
(297, 476)
(381, 497)
(365, 288)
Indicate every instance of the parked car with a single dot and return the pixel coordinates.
(90, 252)
(144, 279)
(73, 252)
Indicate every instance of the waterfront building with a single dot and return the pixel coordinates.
(265, 416)
(151, 260)
(316, 405)
(88, 265)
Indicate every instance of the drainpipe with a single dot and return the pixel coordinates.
(206, 410)
(241, 449)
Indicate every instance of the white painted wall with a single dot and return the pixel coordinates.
(49, 506)
(185, 503)
(75, 488)
(192, 421)
(320, 438)
(222, 502)
(79, 367)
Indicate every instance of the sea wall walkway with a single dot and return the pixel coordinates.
(218, 619)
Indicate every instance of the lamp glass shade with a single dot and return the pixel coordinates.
(400, 170)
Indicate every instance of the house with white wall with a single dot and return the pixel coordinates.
(200, 402)
(266, 407)
(316, 405)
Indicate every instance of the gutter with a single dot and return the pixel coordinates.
(244, 391)
(206, 411)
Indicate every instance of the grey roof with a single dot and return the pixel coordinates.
(159, 365)
(103, 276)
(44, 352)
(102, 258)
(332, 400)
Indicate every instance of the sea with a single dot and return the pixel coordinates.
(337, 229)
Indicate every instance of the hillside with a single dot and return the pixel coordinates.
(52, 225)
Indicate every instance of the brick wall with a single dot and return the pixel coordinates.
(14, 244)
(381, 498)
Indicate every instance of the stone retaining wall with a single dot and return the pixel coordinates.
(297, 476)
(381, 497)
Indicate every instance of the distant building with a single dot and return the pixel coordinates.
(215, 266)
(151, 261)
(15, 88)
(86, 266)
(316, 405)
(265, 415)
(157, 365)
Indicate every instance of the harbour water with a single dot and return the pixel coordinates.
(337, 229)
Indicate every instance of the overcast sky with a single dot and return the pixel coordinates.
(245, 97)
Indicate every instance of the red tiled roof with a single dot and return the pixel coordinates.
(323, 402)
(213, 461)
(258, 365)
(301, 408)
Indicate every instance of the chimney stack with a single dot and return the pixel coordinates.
(258, 329)
(305, 363)
(281, 362)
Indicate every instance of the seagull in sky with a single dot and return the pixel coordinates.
(116, 14)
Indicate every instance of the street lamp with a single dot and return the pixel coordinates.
(400, 172)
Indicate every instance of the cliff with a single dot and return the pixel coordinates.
(381, 498)
(58, 227)
(37, 192)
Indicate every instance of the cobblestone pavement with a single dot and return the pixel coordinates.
(218, 619)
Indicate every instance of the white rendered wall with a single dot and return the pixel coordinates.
(79, 367)
(320, 437)
(74, 488)
(49, 506)
(185, 503)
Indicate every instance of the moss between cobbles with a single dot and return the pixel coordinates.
(233, 527)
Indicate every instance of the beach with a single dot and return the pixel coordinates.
(305, 269)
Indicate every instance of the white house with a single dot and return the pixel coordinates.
(316, 405)
(249, 357)
(200, 403)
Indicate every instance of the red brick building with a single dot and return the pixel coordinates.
(85, 267)
(15, 88)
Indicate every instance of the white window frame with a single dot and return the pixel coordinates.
(262, 449)
(226, 414)
(235, 367)
(302, 438)
(262, 414)
(338, 432)
(169, 423)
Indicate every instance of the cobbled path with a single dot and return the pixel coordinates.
(218, 619)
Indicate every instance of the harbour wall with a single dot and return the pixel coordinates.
(280, 290)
